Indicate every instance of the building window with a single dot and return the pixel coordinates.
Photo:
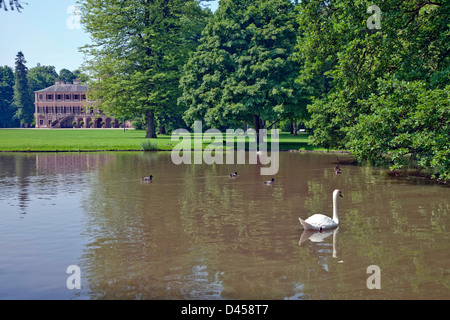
(67, 97)
(58, 96)
(83, 97)
(41, 97)
(49, 97)
(76, 97)
(41, 122)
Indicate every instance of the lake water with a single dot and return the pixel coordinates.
(196, 233)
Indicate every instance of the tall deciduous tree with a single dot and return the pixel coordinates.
(22, 95)
(41, 77)
(66, 75)
(243, 70)
(139, 48)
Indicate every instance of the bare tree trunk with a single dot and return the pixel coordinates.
(150, 122)
(258, 124)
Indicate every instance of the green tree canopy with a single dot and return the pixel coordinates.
(81, 76)
(407, 125)
(66, 75)
(6, 97)
(41, 77)
(243, 69)
(139, 48)
(346, 65)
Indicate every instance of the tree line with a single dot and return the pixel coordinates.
(17, 87)
(380, 92)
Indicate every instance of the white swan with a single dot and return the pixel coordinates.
(320, 221)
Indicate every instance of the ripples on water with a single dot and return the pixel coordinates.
(194, 233)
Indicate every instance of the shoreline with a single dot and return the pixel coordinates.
(164, 150)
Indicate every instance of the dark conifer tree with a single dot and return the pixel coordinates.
(22, 96)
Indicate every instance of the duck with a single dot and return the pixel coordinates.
(150, 178)
(337, 169)
(233, 175)
(271, 181)
(321, 222)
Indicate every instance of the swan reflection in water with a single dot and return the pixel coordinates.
(319, 236)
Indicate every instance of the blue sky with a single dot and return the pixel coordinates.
(46, 32)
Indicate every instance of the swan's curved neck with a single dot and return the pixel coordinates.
(335, 209)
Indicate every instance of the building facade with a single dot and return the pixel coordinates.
(65, 106)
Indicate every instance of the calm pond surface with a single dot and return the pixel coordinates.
(196, 233)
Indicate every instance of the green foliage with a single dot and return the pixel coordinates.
(371, 86)
(79, 75)
(243, 69)
(407, 125)
(139, 48)
(139, 123)
(22, 94)
(6, 97)
(41, 77)
(66, 75)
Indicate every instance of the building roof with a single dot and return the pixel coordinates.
(65, 88)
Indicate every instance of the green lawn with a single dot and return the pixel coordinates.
(29, 140)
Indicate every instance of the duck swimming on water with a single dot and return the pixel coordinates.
(271, 181)
(233, 175)
(149, 178)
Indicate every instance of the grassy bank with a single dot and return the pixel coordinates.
(51, 140)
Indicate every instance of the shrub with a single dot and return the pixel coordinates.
(139, 124)
(149, 145)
